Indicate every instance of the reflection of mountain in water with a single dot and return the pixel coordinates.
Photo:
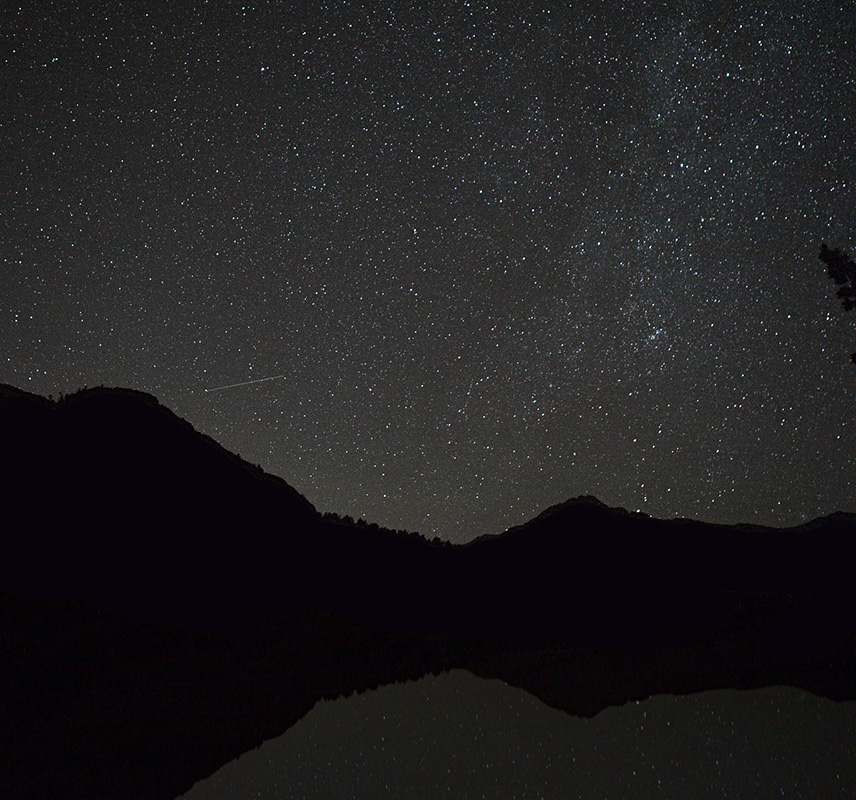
(459, 736)
(155, 588)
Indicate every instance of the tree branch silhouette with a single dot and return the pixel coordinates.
(842, 271)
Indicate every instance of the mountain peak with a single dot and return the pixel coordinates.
(110, 498)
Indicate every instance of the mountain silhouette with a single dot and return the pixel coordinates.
(166, 606)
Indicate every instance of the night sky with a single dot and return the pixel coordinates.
(500, 255)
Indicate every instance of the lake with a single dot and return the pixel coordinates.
(459, 736)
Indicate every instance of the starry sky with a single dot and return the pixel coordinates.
(501, 254)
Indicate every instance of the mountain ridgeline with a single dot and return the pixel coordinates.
(158, 588)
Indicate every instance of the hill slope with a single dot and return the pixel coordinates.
(158, 589)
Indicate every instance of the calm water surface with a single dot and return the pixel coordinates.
(459, 736)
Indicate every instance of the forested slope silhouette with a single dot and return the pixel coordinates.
(167, 606)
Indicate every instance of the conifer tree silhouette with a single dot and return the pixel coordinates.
(842, 271)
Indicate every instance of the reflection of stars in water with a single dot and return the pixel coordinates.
(486, 739)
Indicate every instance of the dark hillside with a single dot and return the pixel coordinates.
(166, 606)
(114, 498)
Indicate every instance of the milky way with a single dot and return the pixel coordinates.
(504, 257)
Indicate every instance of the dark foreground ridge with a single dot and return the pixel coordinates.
(165, 606)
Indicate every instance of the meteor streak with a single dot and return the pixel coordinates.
(244, 383)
